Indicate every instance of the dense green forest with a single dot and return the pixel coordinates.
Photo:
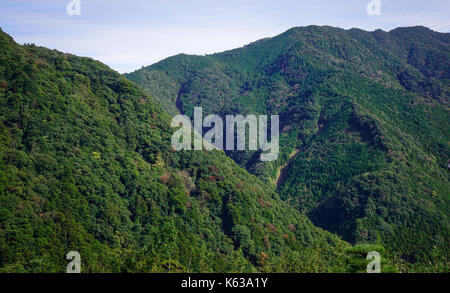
(86, 164)
(364, 121)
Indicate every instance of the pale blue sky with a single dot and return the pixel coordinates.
(128, 34)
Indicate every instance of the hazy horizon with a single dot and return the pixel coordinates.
(127, 35)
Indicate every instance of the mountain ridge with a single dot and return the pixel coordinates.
(364, 108)
(86, 164)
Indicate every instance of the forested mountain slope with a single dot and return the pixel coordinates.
(366, 113)
(86, 164)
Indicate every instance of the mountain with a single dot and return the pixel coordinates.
(86, 164)
(364, 121)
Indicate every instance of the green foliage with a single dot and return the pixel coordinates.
(86, 164)
(358, 261)
(367, 113)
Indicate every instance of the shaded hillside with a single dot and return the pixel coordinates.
(369, 112)
(86, 164)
